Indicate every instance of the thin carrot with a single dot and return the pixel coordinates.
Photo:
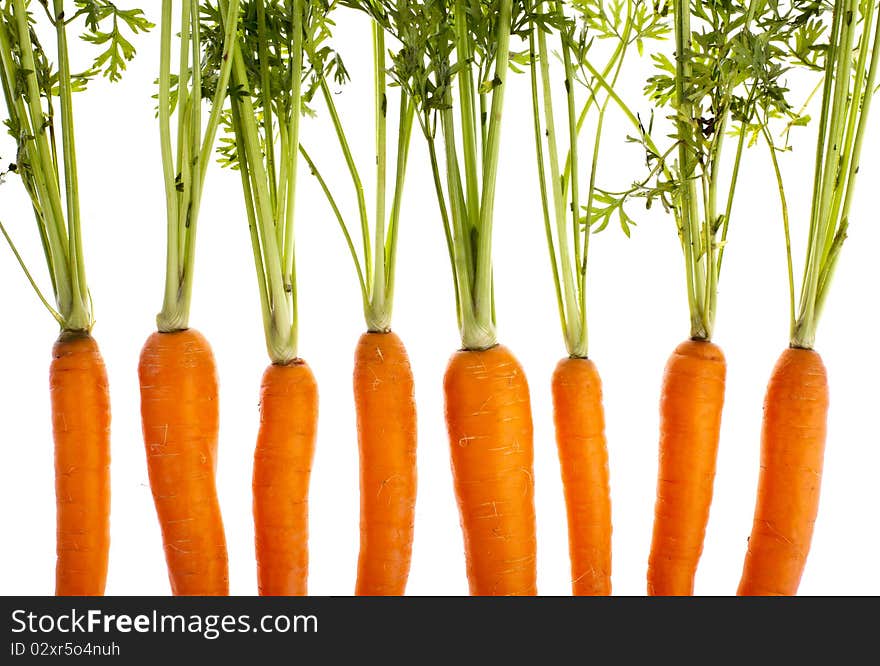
(282, 469)
(583, 457)
(37, 91)
(383, 381)
(792, 452)
(690, 425)
(577, 389)
(488, 416)
(796, 403)
(81, 423)
(386, 415)
(180, 417)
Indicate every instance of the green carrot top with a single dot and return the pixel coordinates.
(44, 133)
(375, 264)
(850, 58)
(573, 28)
(724, 83)
(184, 169)
(271, 82)
(453, 62)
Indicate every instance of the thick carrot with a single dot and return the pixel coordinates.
(690, 425)
(179, 413)
(81, 425)
(583, 458)
(488, 415)
(386, 418)
(792, 452)
(282, 469)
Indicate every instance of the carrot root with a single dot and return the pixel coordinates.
(180, 418)
(488, 416)
(282, 470)
(386, 418)
(690, 424)
(583, 457)
(792, 454)
(81, 425)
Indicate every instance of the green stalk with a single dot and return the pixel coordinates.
(182, 208)
(542, 181)
(864, 91)
(192, 194)
(18, 111)
(355, 179)
(79, 318)
(184, 126)
(407, 109)
(296, 58)
(834, 109)
(30, 279)
(41, 158)
(281, 336)
(562, 238)
(472, 336)
(485, 335)
(168, 170)
(253, 226)
(338, 214)
(731, 190)
(468, 112)
(266, 93)
(572, 156)
(444, 217)
(700, 329)
(785, 223)
(377, 297)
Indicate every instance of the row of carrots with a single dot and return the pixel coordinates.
(445, 65)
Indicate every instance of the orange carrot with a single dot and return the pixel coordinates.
(583, 458)
(282, 467)
(488, 415)
(792, 452)
(386, 417)
(81, 425)
(179, 413)
(690, 425)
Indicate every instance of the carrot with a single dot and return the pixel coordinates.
(178, 377)
(38, 92)
(386, 416)
(383, 381)
(179, 411)
(488, 416)
(796, 403)
(567, 187)
(690, 424)
(264, 122)
(282, 469)
(583, 459)
(792, 451)
(81, 423)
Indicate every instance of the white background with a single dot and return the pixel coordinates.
(638, 313)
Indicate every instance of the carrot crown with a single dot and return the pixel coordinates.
(724, 82)
(375, 265)
(570, 224)
(267, 97)
(453, 63)
(48, 171)
(184, 169)
(851, 59)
